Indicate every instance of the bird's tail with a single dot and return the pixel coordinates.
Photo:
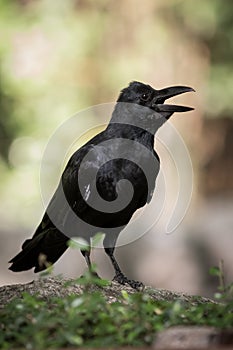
(40, 251)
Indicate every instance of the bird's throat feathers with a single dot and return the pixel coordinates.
(137, 116)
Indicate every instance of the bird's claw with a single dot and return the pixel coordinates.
(120, 278)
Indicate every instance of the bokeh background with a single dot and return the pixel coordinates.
(59, 57)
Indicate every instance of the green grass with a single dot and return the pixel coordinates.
(89, 320)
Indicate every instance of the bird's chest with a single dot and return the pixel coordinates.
(139, 171)
(144, 178)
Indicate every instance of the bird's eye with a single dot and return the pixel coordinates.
(145, 97)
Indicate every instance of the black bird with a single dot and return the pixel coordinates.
(94, 194)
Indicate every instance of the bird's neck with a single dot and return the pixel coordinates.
(131, 132)
(137, 117)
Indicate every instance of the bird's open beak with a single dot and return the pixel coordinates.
(163, 94)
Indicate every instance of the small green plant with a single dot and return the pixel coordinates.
(89, 279)
(225, 291)
(89, 320)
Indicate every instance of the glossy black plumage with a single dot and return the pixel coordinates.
(124, 151)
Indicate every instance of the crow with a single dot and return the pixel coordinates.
(105, 181)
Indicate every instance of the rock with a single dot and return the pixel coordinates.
(193, 337)
(60, 287)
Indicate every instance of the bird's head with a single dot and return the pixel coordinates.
(139, 100)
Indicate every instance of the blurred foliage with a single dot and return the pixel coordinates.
(89, 320)
(211, 22)
(9, 126)
(57, 57)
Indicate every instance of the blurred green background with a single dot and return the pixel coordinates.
(59, 57)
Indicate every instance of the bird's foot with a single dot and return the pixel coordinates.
(122, 279)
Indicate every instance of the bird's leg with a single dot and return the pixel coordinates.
(119, 276)
(86, 254)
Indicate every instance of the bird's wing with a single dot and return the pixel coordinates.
(97, 174)
(68, 196)
(77, 193)
(91, 188)
(87, 177)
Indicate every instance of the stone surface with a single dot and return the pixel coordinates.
(54, 286)
(178, 337)
(193, 337)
